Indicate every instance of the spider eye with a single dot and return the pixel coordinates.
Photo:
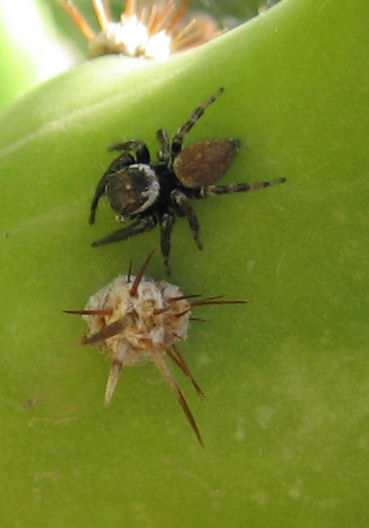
(132, 190)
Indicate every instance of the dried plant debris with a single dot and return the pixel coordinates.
(151, 29)
(136, 319)
(157, 192)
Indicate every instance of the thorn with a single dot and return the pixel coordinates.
(182, 297)
(100, 13)
(161, 310)
(130, 9)
(178, 337)
(176, 356)
(140, 274)
(168, 376)
(114, 376)
(88, 312)
(106, 332)
(108, 10)
(211, 301)
(78, 18)
(178, 15)
(129, 271)
(181, 314)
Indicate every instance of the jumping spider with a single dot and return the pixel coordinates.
(156, 193)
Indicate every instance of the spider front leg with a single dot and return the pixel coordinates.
(140, 226)
(183, 205)
(122, 161)
(100, 190)
(167, 224)
(135, 146)
(164, 152)
(184, 130)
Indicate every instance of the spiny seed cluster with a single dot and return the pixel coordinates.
(156, 315)
(135, 319)
(133, 322)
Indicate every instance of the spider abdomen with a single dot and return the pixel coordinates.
(205, 162)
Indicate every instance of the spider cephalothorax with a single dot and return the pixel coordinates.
(156, 193)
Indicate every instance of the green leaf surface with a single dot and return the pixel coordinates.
(285, 421)
(17, 73)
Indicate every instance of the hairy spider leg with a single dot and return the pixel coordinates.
(237, 187)
(140, 226)
(167, 223)
(122, 161)
(135, 146)
(184, 130)
(164, 152)
(184, 208)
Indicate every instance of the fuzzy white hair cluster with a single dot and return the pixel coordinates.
(154, 316)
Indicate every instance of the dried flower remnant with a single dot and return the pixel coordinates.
(153, 31)
(135, 319)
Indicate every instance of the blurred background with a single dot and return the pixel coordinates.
(38, 39)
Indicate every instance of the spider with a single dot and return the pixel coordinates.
(156, 193)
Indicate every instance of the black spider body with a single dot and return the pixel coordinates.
(156, 193)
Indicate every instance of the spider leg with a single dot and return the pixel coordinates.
(140, 226)
(100, 190)
(136, 146)
(122, 161)
(164, 152)
(180, 135)
(167, 224)
(184, 208)
(237, 187)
